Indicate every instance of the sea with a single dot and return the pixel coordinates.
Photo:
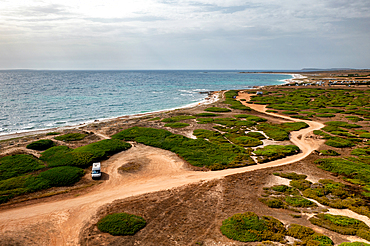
(35, 99)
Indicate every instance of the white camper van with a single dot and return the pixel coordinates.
(96, 173)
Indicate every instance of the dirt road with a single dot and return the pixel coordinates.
(59, 223)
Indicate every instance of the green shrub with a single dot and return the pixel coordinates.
(16, 165)
(62, 176)
(365, 135)
(289, 112)
(41, 144)
(354, 118)
(292, 175)
(354, 244)
(197, 152)
(250, 117)
(52, 133)
(121, 224)
(302, 117)
(339, 143)
(340, 224)
(273, 152)
(64, 156)
(177, 125)
(329, 110)
(216, 109)
(361, 151)
(71, 137)
(301, 184)
(257, 135)
(280, 188)
(329, 152)
(246, 141)
(204, 120)
(342, 124)
(154, 119)
(280, 132)
(20, 185)
(104, 148)
(178, 118)
(298, 201)
(206, 115)
(246, 227)
(323, 134)
(273, 203)
(325, 115)
(308, 236)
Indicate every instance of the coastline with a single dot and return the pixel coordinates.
(213, 96)
(204, 101)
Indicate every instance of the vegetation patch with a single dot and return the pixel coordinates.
(41, 144)
(280, 132)
(291, 175)
(354, 244)
(329, 152)
(178, 118)
(62, 176)
(52, 133)
(365, 135)
(342, 224)
(16, 165)
(257, 135)
(71, 137)
(121, 224)
(298, 201)
(233, 103)
(338, 142)
(154, 119)
(342, 124)
(273, 152)
(204, 120)
(198, 152)
(354, 118)
(217, 109)
(301, 184)
(325, 115)
(177, 125)
(104, 148)
(206, 115)
(250, 117)
(249, 227)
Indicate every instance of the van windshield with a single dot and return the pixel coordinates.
(95, 172)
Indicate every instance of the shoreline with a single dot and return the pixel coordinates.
(213, 96)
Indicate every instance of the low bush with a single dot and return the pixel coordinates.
(354, 118)
(62, 176)
(325, 115)
(250, 117)
(298, 201)
(337, 142)
(204, 120)
(329, 152)
(308, 236)
(121, 224)
(52, 133)
(178, 118)
(198, 152)
(280, 132)
(217, 109)
(273, 203)
(41, 144)
(104, 148)
(292, 175)
(16, 165)
(289, 112)
(365, 135)
(329, 110)
(342, 124)
(20, 185)
(341, 224)
(257, 135)
(273, 152)
(246, 141)
(71, 137)
(323, 134)
(206, 115)
(301, 184)
(248, 227)
(302, 117)
(154, 119)
(177, 125)
(361, 152)
(354, 244)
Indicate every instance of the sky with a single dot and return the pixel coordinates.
(177, 34)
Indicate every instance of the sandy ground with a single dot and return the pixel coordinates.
(60, 222)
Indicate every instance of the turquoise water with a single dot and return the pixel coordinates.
(31, 100)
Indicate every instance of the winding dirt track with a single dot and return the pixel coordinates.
(59, 223)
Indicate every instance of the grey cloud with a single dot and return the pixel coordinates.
(120, 20)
